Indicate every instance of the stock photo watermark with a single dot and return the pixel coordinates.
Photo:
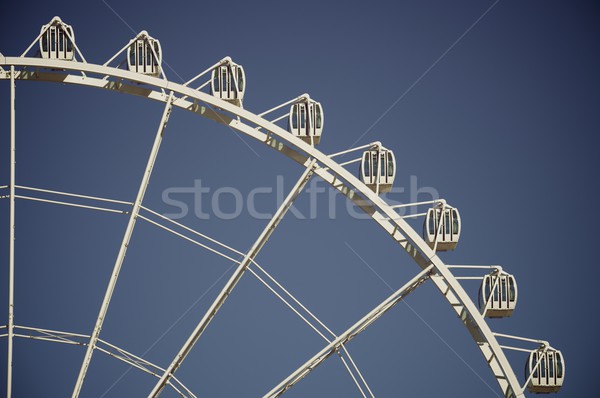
(228, 203)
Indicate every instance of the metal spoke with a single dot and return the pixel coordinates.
(11, 239)
(279, 139)
(350, 333)
(234, 279)
(313, 327)
(58, 202)
(124, 244)
(271, 289)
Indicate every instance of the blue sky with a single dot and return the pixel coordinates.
(493, 105)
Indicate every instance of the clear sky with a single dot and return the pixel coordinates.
(492, 105)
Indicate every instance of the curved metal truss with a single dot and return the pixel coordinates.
(314, 162)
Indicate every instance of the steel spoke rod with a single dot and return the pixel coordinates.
(371, 145)
(350, 333)
(75, 195)
(58, 202)
(292, 101)
(234, 279)
(313, 327)
(11, 239)
(124, 244)
(271, 289)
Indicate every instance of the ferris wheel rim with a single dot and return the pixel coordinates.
(416, 247)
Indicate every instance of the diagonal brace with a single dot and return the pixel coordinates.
(234, 279)
(124, 244)
(350, 333)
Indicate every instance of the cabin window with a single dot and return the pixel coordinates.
(140, 53)
(318, 117)
(148, 56)
(367, 166)
(294, 117)
(216, 80)
(432, 222)
(511, 287)
(61, 38)
(224, 79)
(69, 42)
(374, 164)
(455, 222)
(240, 83)
(543, 366)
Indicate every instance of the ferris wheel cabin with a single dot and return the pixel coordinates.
(378, 169)
(498, 295)
(306, 121)
(547, 371)
(144, 55)
(442, 225)
(228, 82)
(56, 40)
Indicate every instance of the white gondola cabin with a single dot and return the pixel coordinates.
(306, 121)
(442, 225)
(498, 295)
(378, 169)
(56, 40)
(547, 371)
(144, 55)
(228, 82)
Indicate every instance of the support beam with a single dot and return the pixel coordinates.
(234, 279)
(124, 244)
(11, 239)
(350, 333)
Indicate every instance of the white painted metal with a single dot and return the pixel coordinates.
(55, 336)
(55, 25)
(56, 40)
(545, 371)
(352, 364)
(331, 172)
(228, 82)
(234, 279)
(144, 55)
(498, 295)
(426, 202)
(210, 69)
(58, 202)
(441, 228)
(11, 238)
(210, 249)
(124, 244)
(74, 195)
(302, 97)
(313, 327)
(372, 145)
(378, 169)
(306, 119)
(350, 333)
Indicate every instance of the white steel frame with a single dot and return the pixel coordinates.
(244, 121)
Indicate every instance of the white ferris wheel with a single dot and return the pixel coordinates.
(293, 129)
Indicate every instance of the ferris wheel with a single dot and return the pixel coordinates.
(293, 129)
